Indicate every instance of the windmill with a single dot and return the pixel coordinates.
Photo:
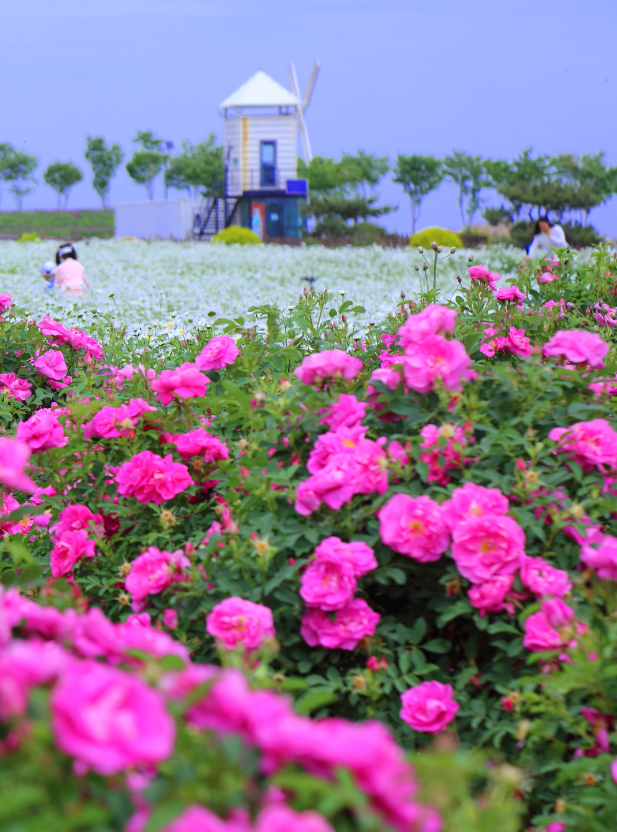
(306, 145)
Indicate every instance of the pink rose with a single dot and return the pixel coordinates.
(151, 478)
(434, 320)
(358, 554)
(154, 571)
(346, 412)
(371, 468)
(510, 293)
(391, 379)
(486, 546)
(337, 364)
(556, 826)
(5, 302)
(170, 619)
(342, 441)
(219, 352)
(235, 621)
(184, 382)
(69, 548)
(518, 343)
(483, 275)
(110, 720)
(347, 629)
(42, 431)
(471, 500)
(328, 583)
(334, 485)
(111, 422)
(592, 444)
(200, 443)
(51, 364)
(76, 518)
(23, 666)
(14, 387)
(578, 347)
(444, 450)
(429, 707)
(490, 596)
(552, 628)
(13, 457)
(600, 553)
(198, 819)
(414, 526)
(543, 579)
(55, 329)
(435, 358)
(279, 818)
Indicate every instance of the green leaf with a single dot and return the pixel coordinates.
(234, 391)
(418, 631)
(314, 700)
(437, 645)
(171, 662)
(460, 607)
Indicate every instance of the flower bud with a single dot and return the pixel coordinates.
(420, 249)
(470, 258)
(452, 250)
(416, 267)
(424, 266)
(439, 248)
(402, 295)
(434, 246)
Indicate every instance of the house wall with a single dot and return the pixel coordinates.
(161, 218)
(243, 136)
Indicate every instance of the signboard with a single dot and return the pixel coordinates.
(258, 218)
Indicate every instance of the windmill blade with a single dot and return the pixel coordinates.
(306, 145)
(295, 87)
(311, 84)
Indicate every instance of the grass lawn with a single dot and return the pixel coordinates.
(70, 225)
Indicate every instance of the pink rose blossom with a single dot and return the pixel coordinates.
(110, 720)
(200, 443)
(471, 500)
(577, 347)
(547, 277)
(333, 485)
(328, 583)
(279, 818)
(320, 366)
(371, 464)
(600, 553)
(391, 379)
(154, 571)
(543, 579)
(592, 444)
(435, 358)
(494, 345)
(55, 329)
(429, 707)
(51, 364)
(198, 819)
(397, 453)
(170, 619)
(490, 596)
(23, 666)
(5, 302)
(76, 518)
(111, 422)
(414, 526)
(346, 412)
(358, 554)
(14, 387)
(434, 320)
(151, 478)
(219, 352)
(69, 548)
(235, 621)
(184, 382)
(444, 450)
(483, 275)
(486, 546)
(42, 431)
(13, 457)
(510, 293)
(518, 343)
(342, 441)
(553, 628)
(350, 625)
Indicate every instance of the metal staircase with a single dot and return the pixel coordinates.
(214, 214)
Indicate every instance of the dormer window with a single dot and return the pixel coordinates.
(268, 164)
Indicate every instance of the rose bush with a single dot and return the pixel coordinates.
(349, 523)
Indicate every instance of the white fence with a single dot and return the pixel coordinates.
(156, 219)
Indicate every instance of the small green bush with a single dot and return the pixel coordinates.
(580, 236)
(236, 234)
(29, 237)
(442, 236)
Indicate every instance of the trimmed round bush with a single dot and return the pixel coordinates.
(29, 237)
(442, 236)
(236, 234)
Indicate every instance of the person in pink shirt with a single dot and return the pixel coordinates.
(70, 275)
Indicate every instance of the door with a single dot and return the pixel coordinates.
(274, 219)
(268, 164)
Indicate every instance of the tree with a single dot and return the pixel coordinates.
(147, 162)
(199, 168)
(5, 150)
(62, 177)
(18, 167)
(104, 162)
(469, 174)
(418, 175)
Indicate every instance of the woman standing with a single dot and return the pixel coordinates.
(546, 236)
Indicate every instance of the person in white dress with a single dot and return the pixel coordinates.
(546, 237)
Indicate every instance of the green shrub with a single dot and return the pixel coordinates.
(236, 234)
(521, 234)
(29, 237)
(580, 236)
(441, 236)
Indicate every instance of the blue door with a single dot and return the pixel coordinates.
(268, 164)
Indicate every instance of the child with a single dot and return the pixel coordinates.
(70, 275)
(48, 270)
